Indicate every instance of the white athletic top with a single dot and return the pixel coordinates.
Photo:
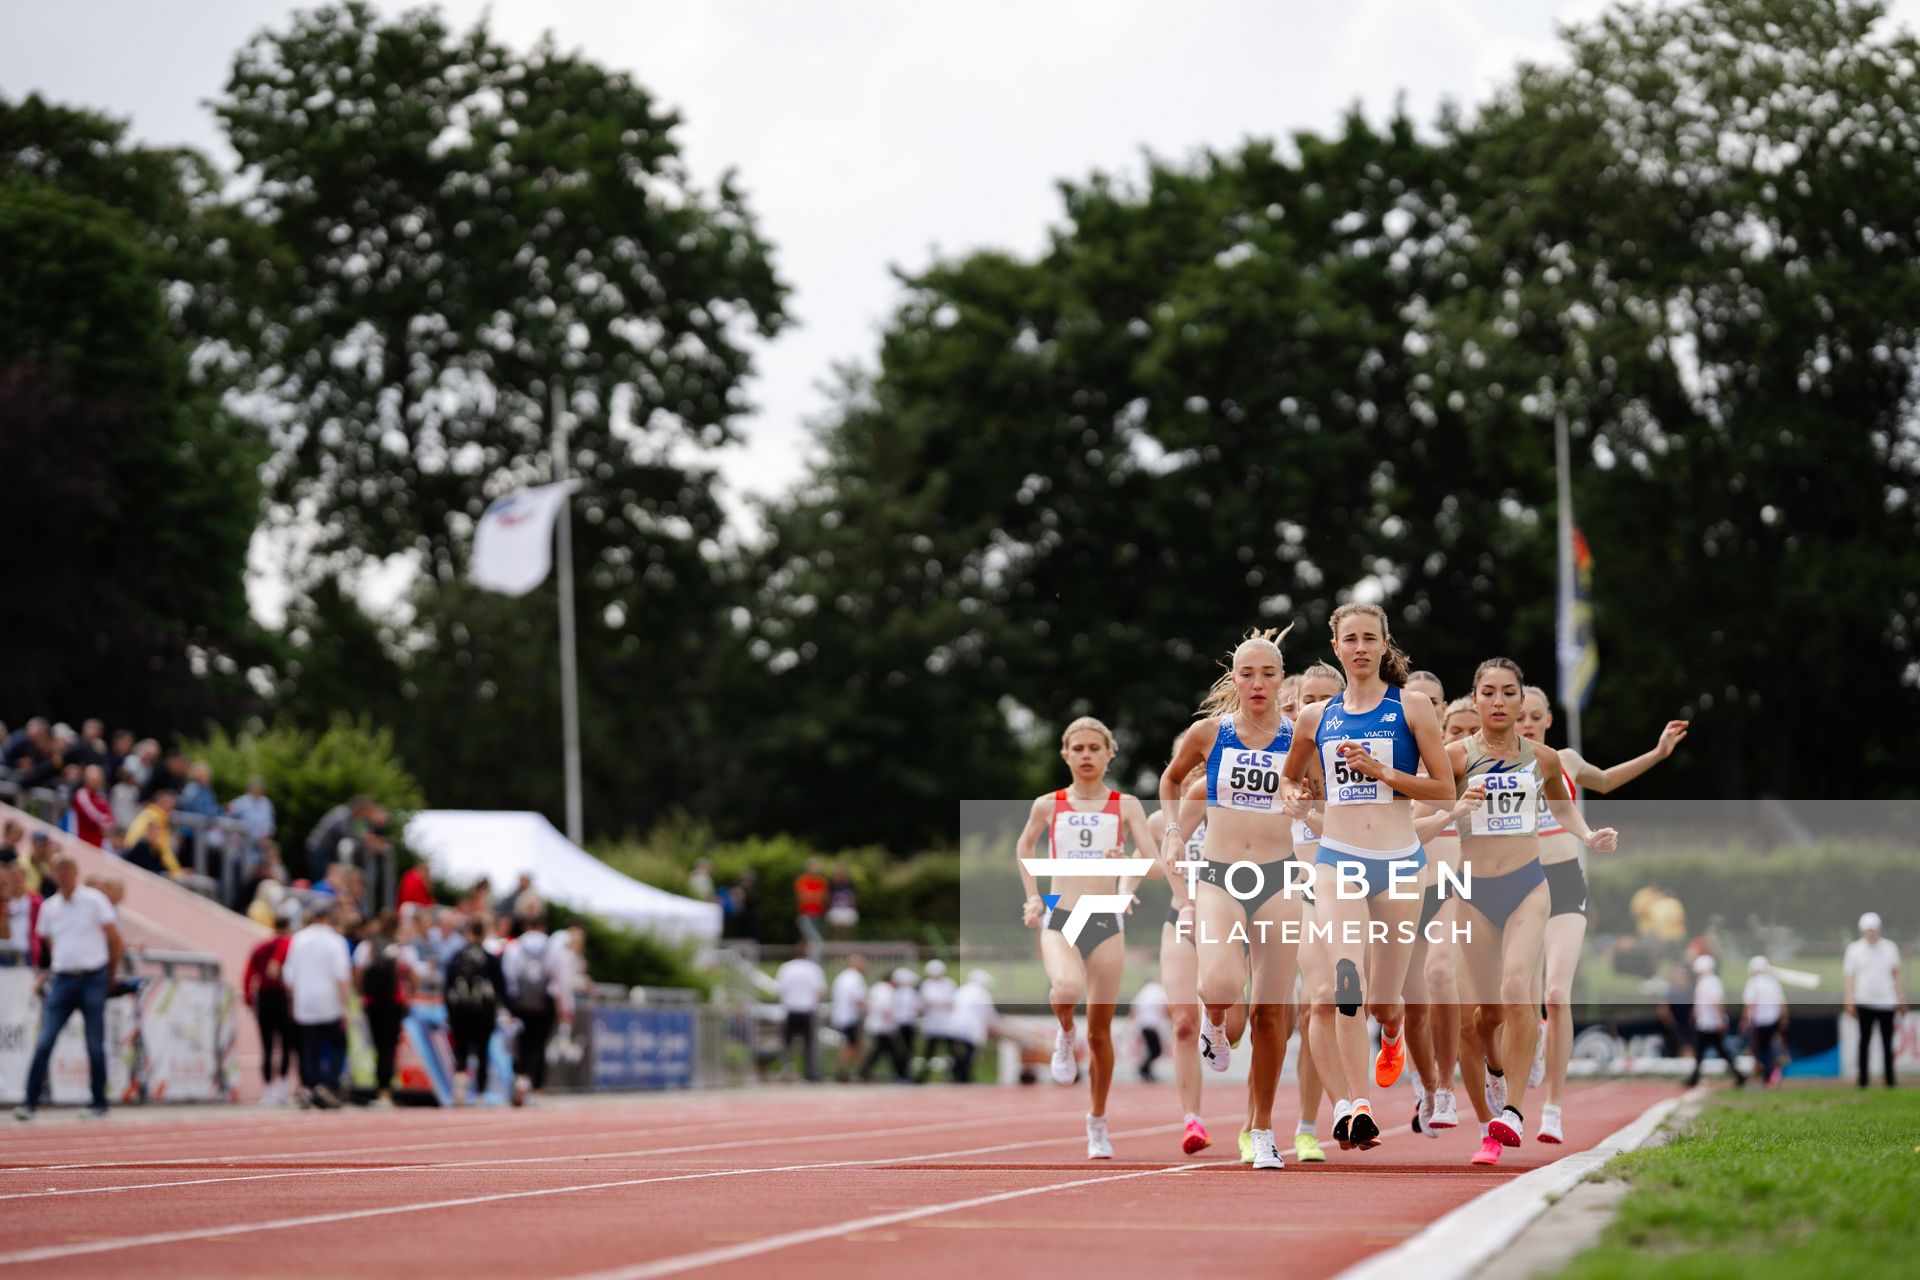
(1769, 1001)
(1871, 965)
(849, 994)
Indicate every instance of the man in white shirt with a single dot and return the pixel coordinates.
(83, 931)
(1872, 968)
(847, 1006)
(1765, 1018)
(539, 977)
(936, 1018)
(803, 985)
(1710, 1021)
(319, 978)
(975, 1022)
(883, 1033)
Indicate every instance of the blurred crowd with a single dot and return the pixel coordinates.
(911, 1025)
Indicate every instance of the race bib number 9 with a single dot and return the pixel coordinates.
(1349, 786)
(1249, 780)
(1085, 835)
(1511, 807)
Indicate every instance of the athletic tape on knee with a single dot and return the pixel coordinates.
(1347, 997)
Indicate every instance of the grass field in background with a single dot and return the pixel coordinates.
(1798, 1183)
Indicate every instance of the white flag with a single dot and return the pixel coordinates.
(513, 547)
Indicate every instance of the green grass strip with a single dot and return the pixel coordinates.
(1801, 1182)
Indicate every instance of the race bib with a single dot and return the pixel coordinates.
(1249, 780)
(1303, 834)
(1346, 786)
(1512, 805)
(1085, 835)
(1197, 844)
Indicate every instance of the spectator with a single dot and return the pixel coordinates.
(539, 993)
(1765, 1018)
(170, 774)
(32, 743)
(149, 838)
(266, 869)
(700, 880)
(1872, 997)
(319, 977)
(83, 928)
(38, 864)
(803, 985)
(146, 761)
(906, 1011)
(975, 1021)
(268, 903)
(882, 1031)
(936, 1017)
(527, 904)
(847, 1007)
(475, 982)
(577, 961)
(266, 994)
(737, 908)
(1710, 1021)
(346, 833)
(93, 736)
(92, 811)
(119, 752)
(254, 812)
(11, 838)
(1151, 1021)
(125, 796)
(19, 917)
(381, 969)
(843, 913)
(415, 889)
(810, 900)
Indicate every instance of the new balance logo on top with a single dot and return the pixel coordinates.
(1390, 718)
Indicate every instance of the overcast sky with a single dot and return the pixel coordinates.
(870, 135)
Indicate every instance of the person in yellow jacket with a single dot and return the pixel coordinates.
(149, 837)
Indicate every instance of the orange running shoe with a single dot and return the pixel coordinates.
(1390, 1061)
(1195, 1140)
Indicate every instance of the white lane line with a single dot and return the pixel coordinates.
(190, 1162)
(51, 1252)
(791, 1239)
(1460, 1243)
(501, 1162)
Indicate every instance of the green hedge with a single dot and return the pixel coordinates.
(1819, 892)
(629, 956)
(307, 773)
(916, 898)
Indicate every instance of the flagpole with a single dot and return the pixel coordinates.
(569, 666)
(1566, 634)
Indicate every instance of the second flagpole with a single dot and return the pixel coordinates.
(569, 666)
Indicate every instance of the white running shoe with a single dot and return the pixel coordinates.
(1266, 1154)
(1065, 1069)
(1496, 1093)
(1446, 1114)
(1507, 1128)
(1538, 1072)
(1098, 1145)
(1550, 1126)
(1214, 1048)
(1427, 1101)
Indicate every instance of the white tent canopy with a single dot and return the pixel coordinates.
(466, 846)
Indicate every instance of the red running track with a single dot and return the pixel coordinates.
(833, 1181)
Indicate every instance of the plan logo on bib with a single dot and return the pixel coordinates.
(1089, 904)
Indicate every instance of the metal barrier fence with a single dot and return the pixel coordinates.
(169, 1032)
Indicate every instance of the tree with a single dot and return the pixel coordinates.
(462, 229)
(132, 492)
(1698, 244)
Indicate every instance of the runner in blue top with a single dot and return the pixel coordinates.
(1365, 748)
(1241, 893)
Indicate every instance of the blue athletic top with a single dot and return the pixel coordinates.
(1242, 777)
(1388, 736)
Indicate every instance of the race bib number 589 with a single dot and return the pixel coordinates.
(1346, 785)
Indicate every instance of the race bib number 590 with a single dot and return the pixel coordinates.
(1249, 779)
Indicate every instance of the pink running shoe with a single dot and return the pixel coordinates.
(1195, 1140)
(1489, 1152)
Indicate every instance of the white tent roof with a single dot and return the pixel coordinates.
(465, 846)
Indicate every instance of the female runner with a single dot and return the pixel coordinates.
(1180, 961)
(1438, 829)
(1085, 820)
(1242, 739)
(1366, 746)
(1499, 847)
(1318, 683)
(1567, 889)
